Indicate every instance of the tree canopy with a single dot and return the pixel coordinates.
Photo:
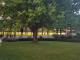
(35, 14)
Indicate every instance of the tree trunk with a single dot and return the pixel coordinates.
(21, 31)
(57, 31)
(47, 32)
(70, 32)
(14, 34)
(34, 30)
(42, 31)
(3, 32)
(60, 32)
(10, 32)
(35, 36)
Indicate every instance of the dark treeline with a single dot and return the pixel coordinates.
(18, 15)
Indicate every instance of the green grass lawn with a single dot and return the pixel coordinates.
(44, 50)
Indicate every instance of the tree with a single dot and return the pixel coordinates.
(37, 16)
(31, 13)
(71, 10)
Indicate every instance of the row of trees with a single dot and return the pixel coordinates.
(34, 14)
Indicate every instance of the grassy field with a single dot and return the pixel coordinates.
(44, 50)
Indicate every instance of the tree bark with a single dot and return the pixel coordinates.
(42, 31)
(60, 31)
(35, 36)
(57, 31)
(3, 32)
(35, 30)
(21, 31)
(47, 32)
